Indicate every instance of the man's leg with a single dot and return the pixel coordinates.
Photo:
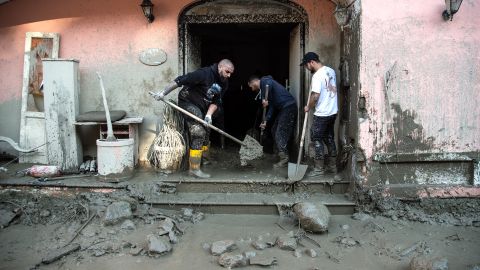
(285, 126)
(197, 134)
(329, 140)
(318, 132)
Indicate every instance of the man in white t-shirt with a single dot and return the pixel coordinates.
(323, 97)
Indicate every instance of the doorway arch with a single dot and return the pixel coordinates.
(207, 23)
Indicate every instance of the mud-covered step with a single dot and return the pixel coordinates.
(249, 203)
(256, 185)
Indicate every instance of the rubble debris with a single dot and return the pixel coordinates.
(128, 225)
(311, 252)
(135, 251)
(262, 260)
(158, 245)
(287, 241)
(346, 241)
(250, 150)
(229, 260)
(6, 217)
(173, 237)
(117, 212)
(143, 191)
(313, 217)
(220, 247)
(45, 213)
(60, 253)
(428, 263)
(197, 217)
(187, 213)
(259, 245)
(410, 249)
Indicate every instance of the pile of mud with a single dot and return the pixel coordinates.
(251, 150)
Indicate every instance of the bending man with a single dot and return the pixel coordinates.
(200, 95)
(282, 103)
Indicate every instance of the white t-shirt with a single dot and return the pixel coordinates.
(325, 83)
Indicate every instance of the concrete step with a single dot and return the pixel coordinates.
(257, 185)
(248, 203)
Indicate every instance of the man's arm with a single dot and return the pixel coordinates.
(313, 100)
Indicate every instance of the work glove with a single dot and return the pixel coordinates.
(159, 95)
(208, 119)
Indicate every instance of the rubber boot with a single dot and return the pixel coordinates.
(194, 164)
(318, 169)
(206, 155)
(283, 160)
(331, 166)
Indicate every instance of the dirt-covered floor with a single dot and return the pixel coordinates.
(40, 224)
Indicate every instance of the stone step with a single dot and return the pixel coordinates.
(248, 203)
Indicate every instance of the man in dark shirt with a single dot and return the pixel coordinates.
(284, 105)
(200, 95)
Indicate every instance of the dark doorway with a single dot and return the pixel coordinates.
(254, 48)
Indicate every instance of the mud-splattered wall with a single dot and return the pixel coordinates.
(420, 84)
(107, 36)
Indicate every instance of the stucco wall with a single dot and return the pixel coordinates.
(106, 36)
(420, 79)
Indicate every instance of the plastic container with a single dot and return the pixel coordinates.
(115, 160)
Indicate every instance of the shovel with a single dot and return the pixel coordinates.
(267, 87)
(296, 171)
(194, 117)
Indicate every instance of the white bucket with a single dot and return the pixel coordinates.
(115, 159)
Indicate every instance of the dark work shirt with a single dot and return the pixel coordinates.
(197, 87)
(278, 96)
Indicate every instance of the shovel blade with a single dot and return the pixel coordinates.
(296, 173)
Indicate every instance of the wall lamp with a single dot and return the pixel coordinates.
(452, 7)
(147, 8)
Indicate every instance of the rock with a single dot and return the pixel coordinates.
(311, 252)
(249, 254)
(287, 242)
(297, 253)
(361, 216)
(197, 217)
(263, 261)
(45, 213)
(345, 227)
(427, 263)
(128, 225)
(60, 253)
(136, 251)
(259, 245)
(223, 246)
(313, 217)
(187, 213)
(117, 212)
(229, 260)
(6, 217)
(158, 246)
(166, 225)
(173, 238)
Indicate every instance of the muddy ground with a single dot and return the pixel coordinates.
(43, 222)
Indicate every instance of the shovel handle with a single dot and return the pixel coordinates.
(302, 138)
(267, 88)
(194, 117)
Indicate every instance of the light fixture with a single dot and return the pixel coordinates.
(147, 8)
(452, 7)
(341, 16)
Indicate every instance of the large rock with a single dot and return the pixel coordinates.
(313, 217)
(428, 263)
(229, 260)
(117, 212)
(6, 217)
(223, 246)
(158, 245)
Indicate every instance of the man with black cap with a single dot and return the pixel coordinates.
(323, 99)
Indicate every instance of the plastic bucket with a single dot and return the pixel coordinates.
(115, 159)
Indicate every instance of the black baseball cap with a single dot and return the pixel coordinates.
(309, 57)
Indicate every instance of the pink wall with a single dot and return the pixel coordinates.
(420, 77)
